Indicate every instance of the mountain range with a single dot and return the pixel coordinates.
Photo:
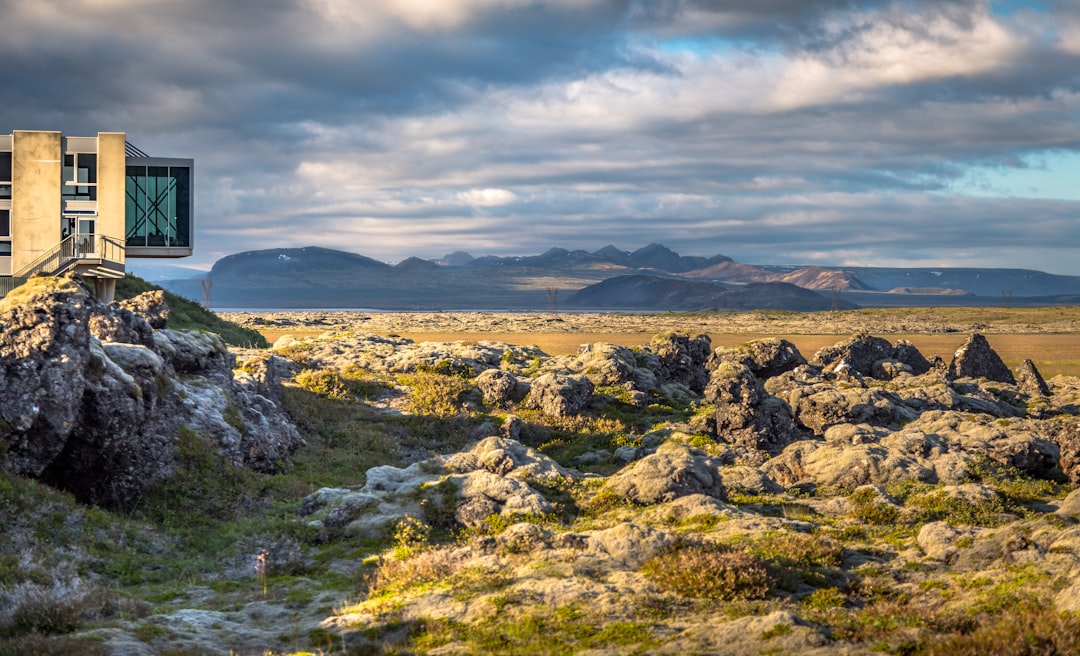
(650, 278)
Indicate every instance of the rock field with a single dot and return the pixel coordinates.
(359, 492)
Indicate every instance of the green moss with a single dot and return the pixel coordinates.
(186, 315)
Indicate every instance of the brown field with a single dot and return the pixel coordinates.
(1053, 354)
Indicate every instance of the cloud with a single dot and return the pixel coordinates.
(771, 130)
(487, 197)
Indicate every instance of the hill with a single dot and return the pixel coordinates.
(658, 293)
(324, 278)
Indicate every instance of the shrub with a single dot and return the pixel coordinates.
(709, 572)
(436, 394)
(334, 385)
(56, 609)
(1027, 629)
(867, 507)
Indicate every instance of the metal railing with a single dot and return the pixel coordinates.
(8, 284)
(72, 250)
(51, 260)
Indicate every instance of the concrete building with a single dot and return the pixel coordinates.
(87, 204)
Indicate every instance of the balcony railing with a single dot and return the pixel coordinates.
(73, 250)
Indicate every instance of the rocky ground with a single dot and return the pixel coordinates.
(483, 497)
(762, 322)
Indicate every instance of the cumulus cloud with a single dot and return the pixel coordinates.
(780, 130)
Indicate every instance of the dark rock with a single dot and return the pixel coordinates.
(103, 420)
(559, 395)
(747, 415)
(975, 359)
(499, 387)
(114, 323)
(820, 406)
(682, 359)
(1067, 437)
(43, 357)
(1030, 381)
(856, 355)
(906, 353)
(764, 357)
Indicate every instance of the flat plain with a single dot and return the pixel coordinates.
(1050, 337)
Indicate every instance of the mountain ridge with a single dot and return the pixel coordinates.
(316, 277)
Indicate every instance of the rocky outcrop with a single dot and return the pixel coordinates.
(975, 359)
(94, 397)
(765, 358)
(857, 355)
(499, 388)
(494, 477)
(681, 359)
(1030, 381)
(559, 395)
(674, 471)
(746, 415)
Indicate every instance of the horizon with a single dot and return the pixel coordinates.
(895, 133)
(149, 264)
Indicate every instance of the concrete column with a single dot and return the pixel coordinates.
(111, 177)
(36, 166)
(105, 289)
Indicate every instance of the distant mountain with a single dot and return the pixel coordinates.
(650, 278)
(816, 277)
(291, 261)
(660, 293)
(457, 258)
(416, 264)
(662, 258)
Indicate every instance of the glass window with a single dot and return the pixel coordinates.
(80, 176)
(158, 206)
(5, 248)
(5, 223)
(5, 175)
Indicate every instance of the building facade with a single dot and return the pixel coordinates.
(87, 204)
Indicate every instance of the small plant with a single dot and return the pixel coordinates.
(411, 535)
(436, 394)
(710, 572)
(869, 508)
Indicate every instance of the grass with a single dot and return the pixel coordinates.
(187, 315)
(842, 574)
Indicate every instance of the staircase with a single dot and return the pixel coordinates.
(93, 256)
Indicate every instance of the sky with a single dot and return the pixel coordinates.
(829, 132)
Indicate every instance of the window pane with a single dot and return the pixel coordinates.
(5, 248)
(5, 167)
(5, 223)
(182, 205)
(135, 206)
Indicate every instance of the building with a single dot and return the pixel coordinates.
(87, 204)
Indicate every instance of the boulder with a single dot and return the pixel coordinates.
(559, 395)
(975, 359)
(116, 323)
(674, 471)
(681, 359)
(820, 406)
(103, 420)
(906, 353)
(1030, 381)
(764, 357)
(500, 387)
(856, 355)
(1067, 438)
(747, 415)
(44, 355)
